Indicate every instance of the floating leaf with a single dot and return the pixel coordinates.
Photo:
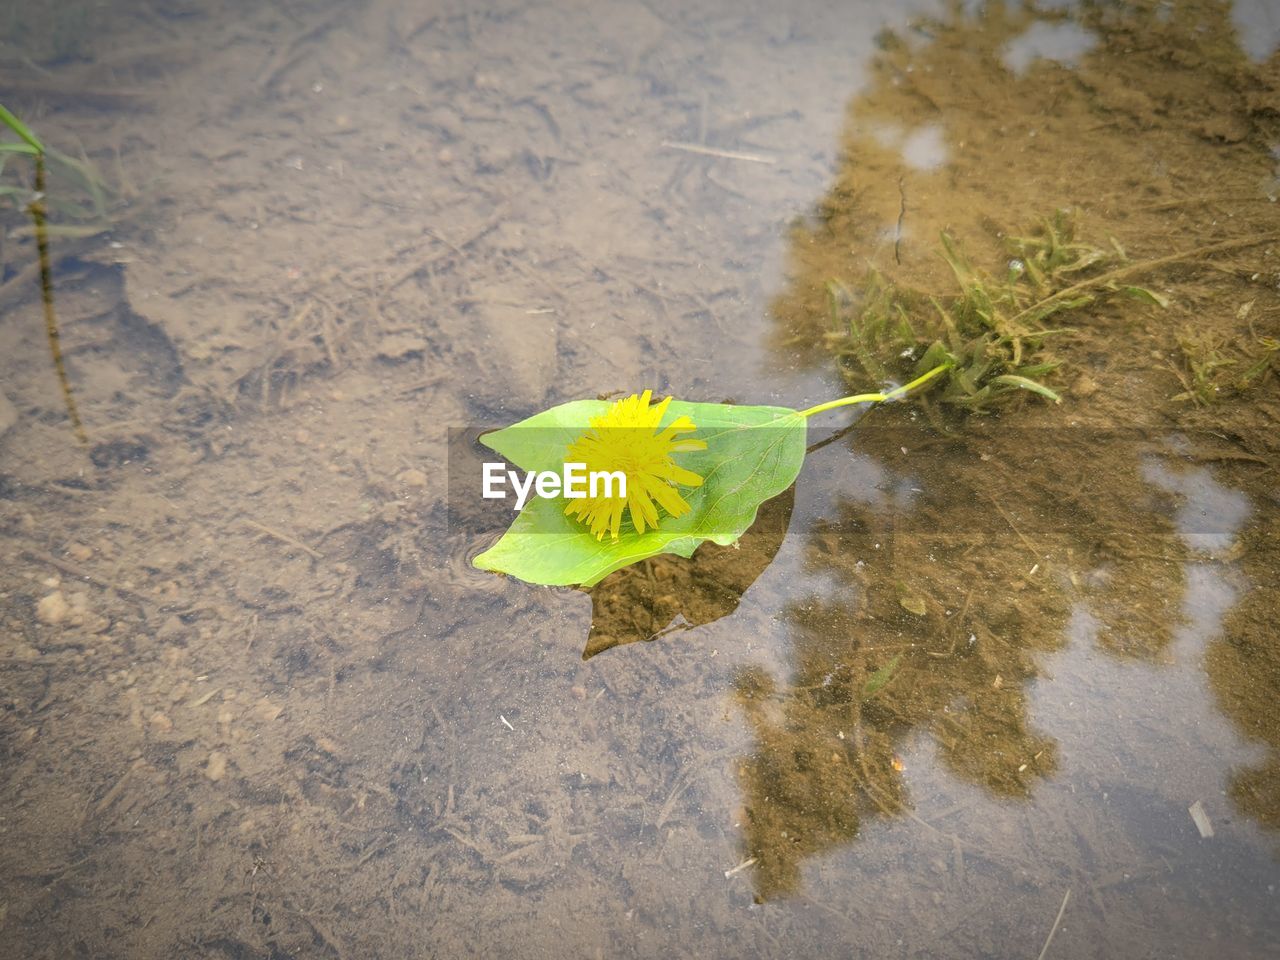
(751, 455)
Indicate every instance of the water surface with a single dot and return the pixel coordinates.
(1003, 689)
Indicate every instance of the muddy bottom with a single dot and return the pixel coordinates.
(997, 677)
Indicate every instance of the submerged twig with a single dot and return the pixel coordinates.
(80, 573)
(714, 152)
(1049, 939)
(734, 871)
(46, 294)
(1121, 273)
(283, 538)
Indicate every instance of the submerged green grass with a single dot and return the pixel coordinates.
(993, 332)
(79, 193)
(1214, 367)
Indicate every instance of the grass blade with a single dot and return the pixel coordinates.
(20, 128)
(881, 677)
(1022, 383)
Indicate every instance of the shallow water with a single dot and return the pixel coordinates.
(1008, 691)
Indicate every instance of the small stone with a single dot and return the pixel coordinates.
(397, 347)
(303, 437)
(79, 552)
(160, 722)
(413, 478)
(267, 711)
(579, 693)
(53, 608)
(1085, 387)
(216, 768)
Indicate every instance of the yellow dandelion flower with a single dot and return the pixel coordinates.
(626, 439)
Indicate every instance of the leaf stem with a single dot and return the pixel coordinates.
(893, 394)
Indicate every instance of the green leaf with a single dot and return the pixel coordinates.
(540, 442)
(881, 676)
(1146, 296)
(24, 148)
(20, 128)
(753, 453)
(1023, 383)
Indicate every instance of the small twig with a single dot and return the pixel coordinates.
(109, 797)
(1132, 269)
(714, 152)
(740, 867)
(38, 217)
(286, 55)
(81, 573)
(456, 249)
(902, 215)
(253, 633)
(283, 538)
(1014, 527)
(1061, 910)
(1195, 201)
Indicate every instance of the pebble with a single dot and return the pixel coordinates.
(1086, 386)
(53, 608)
(398, 347)
(413, 478)
(579, 693)
(79, 552)
(216, 768)
(160, 722)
